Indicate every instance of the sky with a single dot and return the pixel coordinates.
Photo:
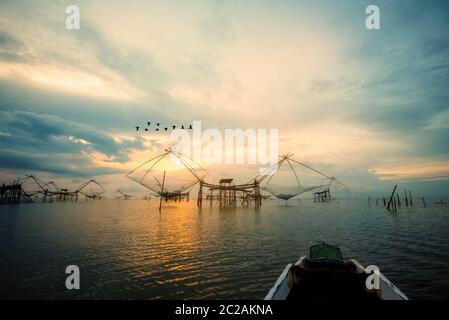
(368, 106)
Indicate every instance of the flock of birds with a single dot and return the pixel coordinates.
(159, 128)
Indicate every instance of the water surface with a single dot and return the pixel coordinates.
(128, 250)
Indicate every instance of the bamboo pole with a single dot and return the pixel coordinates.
(162, 190)
(391, 197)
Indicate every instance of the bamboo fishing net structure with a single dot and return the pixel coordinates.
(228, 194)
(91, 189)
(119, 195)
(32, 189)
(282, 180)
(170, 175)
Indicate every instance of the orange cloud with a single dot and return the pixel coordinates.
(70, 80)
(433, 170)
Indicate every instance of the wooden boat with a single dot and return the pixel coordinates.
(325, 275)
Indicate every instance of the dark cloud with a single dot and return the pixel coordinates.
(406, 78)
(6, 40)
(12, 49)
(63, 164)
(105, 115)
(50, 143)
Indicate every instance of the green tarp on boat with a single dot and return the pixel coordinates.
(325, 251)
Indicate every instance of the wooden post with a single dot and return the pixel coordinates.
(391, 197)
(199, 201)
(162, 191)
(257, 194)
(411, 201)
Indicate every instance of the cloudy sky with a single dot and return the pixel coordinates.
(370, 107)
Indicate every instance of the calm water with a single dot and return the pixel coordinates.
(127, 249)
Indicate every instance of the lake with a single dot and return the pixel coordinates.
(129, 250)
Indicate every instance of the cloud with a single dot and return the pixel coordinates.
(135, 65)
(435, 47)
(429, 170)
(11, 49)
(63, 164)
(50, 143)
(310, 69)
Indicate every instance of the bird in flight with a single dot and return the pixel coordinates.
(159, 128)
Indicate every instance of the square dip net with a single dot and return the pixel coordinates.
(289, 178)
(169, 174)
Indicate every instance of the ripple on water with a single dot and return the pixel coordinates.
(127, 249)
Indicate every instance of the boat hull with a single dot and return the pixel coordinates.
(386, 291)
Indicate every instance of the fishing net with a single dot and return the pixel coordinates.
(91, 189)
(286, 192)
(32, 187)
(168, 174)
(52, 187)
(290, 178)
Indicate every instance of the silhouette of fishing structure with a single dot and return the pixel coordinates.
(394, 201)
(32, 189)
(286, 192)
(152, 175)
(84, 189)
(13, 193)
(123, 196)
(322, 196)
(227, 194)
